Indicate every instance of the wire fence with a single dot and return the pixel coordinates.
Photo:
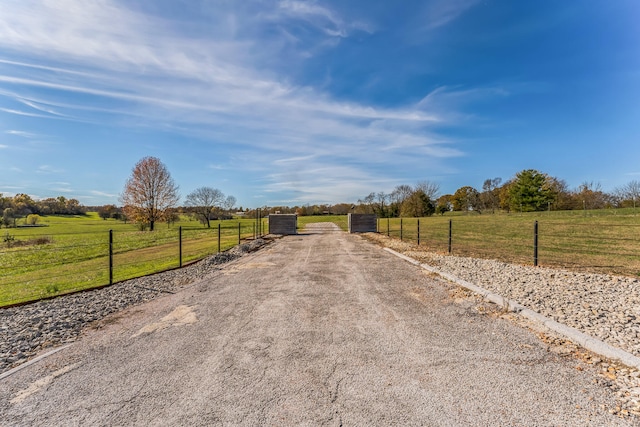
(597, 246)
(46, 265)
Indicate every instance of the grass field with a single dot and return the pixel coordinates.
(72, 253)
(605, 241)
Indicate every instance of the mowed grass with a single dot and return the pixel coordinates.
(76, 256)
(604, 241)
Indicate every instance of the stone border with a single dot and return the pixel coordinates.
(572, 334)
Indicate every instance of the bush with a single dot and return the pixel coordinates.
(33, 219)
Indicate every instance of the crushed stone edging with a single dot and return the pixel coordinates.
(587, 341)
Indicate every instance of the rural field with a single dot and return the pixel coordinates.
(601, 241)
(70, 253)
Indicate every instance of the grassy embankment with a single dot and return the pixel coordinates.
(73, 253)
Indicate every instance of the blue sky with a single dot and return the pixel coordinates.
(295, 102)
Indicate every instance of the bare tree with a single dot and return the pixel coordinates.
(398, 197)
(400, 194)
(203, 200)
(229, 203)
(629, 192)
(149, 192)
(430, 189)
(490, 197)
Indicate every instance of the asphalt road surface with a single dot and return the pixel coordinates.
(321, 328)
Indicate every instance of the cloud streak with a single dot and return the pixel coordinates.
(117, 60)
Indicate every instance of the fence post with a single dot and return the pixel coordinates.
(535, 243)
(418, 231)
(218, 237)
(238, 233)
(111, 257)
(258, 217)
(254, 231)
(400, 229)
(450, 227)
(388, 234)
(180, 246)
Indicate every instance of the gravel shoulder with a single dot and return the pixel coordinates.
(603, 306)
(27, 330)
(315, 329)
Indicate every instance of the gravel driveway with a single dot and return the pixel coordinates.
(321, 328)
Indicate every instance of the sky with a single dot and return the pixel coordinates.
(308, 102)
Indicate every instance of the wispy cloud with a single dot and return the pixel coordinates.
(48, 169)
(3, 146)
(102, 194)
(220, 88)
(38, 107)
(320, 17)
(21, 133)
(441, 12)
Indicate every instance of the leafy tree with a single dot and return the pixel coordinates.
(342, 208)
(8, 217)
(24, 205)
(107, 211)
(417, 205)
(149, 192)
(504, 195)
(531, 191)
(563, 198)
(203, 200)
(5, 202)
(32, 219)
(590, 196)
(398, 197)
(466, 199)
(444, 204)
(366, 205)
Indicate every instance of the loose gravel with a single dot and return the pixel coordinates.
(604, 306)
(26, 330)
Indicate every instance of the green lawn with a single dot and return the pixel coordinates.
(606, 241)
(72, 252)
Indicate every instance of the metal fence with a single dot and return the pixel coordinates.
(611, 247)
(45, 265)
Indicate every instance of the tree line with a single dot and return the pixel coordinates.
(528, 191)
(150, 196)
(24, 206)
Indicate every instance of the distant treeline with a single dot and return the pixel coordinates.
(528, 191)
(23, 206)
